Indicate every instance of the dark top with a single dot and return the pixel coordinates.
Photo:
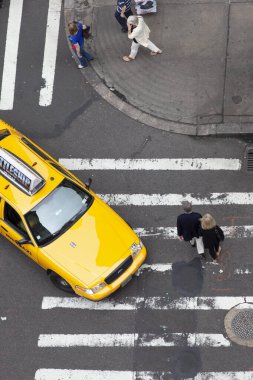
(122, 3)
(211, 239)
(188, 225)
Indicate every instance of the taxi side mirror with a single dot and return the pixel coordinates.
(23, 241)
(88, 183)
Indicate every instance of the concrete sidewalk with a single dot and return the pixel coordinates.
(202, 84)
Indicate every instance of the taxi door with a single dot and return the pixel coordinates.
(12, 226)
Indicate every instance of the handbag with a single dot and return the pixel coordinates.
(219, 233)
(145, 6)
(86, 32)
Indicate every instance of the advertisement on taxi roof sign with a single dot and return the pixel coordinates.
(19, 173)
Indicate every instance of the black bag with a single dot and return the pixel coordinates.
(86, 32)
(219, 233)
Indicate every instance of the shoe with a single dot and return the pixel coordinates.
(156, 52)
(193, 245)
(127, 58)
(203, 256)
(81, 67)
(123, 30)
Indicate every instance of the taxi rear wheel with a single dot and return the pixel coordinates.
(60, 283)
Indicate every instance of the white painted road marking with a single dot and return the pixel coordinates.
(78, 374)
(231, 232)
(153, 303)
(133, 340)
(167, 267)
(177, 199)
(151, 163)
(11, 55)
(50, 52)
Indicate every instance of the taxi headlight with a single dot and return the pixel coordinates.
(136, 248)
(93, 290)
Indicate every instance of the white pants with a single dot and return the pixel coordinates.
(135, 47)
(199, 243)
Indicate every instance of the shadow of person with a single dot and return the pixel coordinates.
(187, 277)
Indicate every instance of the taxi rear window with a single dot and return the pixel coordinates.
(4, 133)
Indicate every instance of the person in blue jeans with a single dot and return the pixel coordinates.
(77, 42)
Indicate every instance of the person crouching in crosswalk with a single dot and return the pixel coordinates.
(188, 226)
(212, 235)
(77, 43)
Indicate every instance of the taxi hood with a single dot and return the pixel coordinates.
(95, 245)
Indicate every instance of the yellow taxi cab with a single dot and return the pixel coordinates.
(57, 221)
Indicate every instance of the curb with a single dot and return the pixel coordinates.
(83, 9)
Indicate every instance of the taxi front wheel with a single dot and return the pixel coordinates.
(60, 283)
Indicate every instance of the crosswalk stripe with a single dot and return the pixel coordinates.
(152, 303)
(50, 52)
(177, 199)
(79, 374)
(151, 163)
(11, 54)
(231, 232)
(133, 340)
(69, 374)
(167, 267)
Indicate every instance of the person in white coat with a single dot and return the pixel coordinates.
(138, 31)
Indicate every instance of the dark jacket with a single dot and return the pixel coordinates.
(211, 239)
(188, 225)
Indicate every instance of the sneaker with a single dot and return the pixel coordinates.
(81, 67)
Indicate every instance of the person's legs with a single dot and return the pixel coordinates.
(85, 54)
(153, 48)
(193, 242)
(134, 50)
(122, 21)
(82, 61)
(212, 252)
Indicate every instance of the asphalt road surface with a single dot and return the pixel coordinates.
(168, 322)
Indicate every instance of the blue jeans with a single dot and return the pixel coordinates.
(85, 57)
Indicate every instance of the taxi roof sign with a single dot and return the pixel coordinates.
(19, 173)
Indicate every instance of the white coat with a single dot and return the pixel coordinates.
(141, 32)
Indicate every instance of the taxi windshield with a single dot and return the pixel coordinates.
(57, 212)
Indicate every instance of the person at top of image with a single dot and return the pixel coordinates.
(123, 11)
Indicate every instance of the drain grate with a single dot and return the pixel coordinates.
(242, 324)
(250, 160)
(239, 324)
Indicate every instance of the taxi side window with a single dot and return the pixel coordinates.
(12, 217)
